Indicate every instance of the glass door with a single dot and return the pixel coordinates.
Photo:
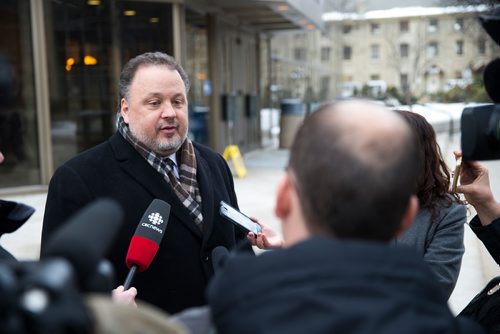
(18, 119)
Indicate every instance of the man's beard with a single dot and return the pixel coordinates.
(162, 148)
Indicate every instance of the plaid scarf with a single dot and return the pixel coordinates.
(186, 188)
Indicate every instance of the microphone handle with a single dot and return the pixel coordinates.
(130, 277)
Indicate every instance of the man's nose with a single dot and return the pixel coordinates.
(168, 111)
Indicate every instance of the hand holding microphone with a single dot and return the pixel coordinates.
(147, 238)
(124, 297)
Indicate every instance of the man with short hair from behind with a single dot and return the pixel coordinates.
(348, 190)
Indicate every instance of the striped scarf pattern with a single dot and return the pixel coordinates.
(186, 187)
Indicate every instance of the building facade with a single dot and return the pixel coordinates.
(419, 51)
(60, 62)
(305, 65)
(415, 51)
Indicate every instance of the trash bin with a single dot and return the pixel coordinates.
(292, 116)
(198, 124)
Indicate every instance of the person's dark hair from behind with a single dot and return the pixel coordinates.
(355, 180)
(433, 179)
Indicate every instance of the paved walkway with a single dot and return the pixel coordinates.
(256, 194)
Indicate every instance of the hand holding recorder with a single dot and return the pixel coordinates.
(475, 185)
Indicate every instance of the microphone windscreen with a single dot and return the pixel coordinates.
(148, 235)
(86, 237)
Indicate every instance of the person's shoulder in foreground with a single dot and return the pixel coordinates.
(325, 285)
(347, 191)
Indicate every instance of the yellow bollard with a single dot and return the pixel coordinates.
(232, 153)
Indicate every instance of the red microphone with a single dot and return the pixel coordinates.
(147, 238)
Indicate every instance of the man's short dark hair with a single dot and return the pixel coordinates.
(148, 59)
(345, 192)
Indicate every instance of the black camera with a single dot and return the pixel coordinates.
(481, 132)
(480, 125)
(41, 297)
(45, 297)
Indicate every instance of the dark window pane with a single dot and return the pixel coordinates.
(18, 119)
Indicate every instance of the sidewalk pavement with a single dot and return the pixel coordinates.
(256, 196)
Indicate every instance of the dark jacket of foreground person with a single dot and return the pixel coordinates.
(324, 285)
(489, 235)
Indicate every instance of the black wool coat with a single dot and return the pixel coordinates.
(178, 275)
(325, 285)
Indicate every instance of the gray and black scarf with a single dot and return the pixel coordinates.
(186, 187)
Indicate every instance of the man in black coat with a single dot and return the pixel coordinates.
(151, 157)
(348, 190)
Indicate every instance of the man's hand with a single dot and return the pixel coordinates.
(125, 297)
(475, 185)
(267, 239)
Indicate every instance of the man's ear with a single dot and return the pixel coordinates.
(282, 208)
(124, 110)
(409, 216)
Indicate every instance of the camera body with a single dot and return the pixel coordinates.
(481, 125)
(41, 298)
(481, 132)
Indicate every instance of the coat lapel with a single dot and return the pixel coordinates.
(140, 170)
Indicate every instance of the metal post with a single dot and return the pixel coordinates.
(41, 90)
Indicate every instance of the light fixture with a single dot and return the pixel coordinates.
(201, 76)
(93, 2)
(69, 63)
(129, 12)
(154, 19)
(282, 8)
(89, 60)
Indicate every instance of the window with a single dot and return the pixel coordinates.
(375, 28)
(325, 53)
(459, 24)
(432, 49)
(433, 25)
(347, 53)
(375, 51)
(346, 28)
(324, 88)
(347, 77)
(459, 47)
(404, 26)
(481, 46)
(18, 114)
(403, 80)
(375, 77)
(299, 54)
(404, 50)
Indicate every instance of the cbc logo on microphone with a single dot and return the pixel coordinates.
(155, 218)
